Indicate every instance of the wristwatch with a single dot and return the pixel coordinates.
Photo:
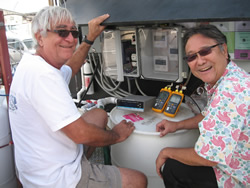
(87, 41)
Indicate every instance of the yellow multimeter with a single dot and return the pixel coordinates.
(162, 99)
(174, 103)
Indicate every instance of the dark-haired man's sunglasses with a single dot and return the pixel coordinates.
(65, 33)
(202, 52)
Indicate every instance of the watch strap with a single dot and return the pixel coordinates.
(85, 39)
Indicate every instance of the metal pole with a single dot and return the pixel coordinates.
(5, 69)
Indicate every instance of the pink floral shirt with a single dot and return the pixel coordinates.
(225, 129)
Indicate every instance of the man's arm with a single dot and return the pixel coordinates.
(82, 132)
(78, 58)
(165, 126)
(186, 156)
(191, 123)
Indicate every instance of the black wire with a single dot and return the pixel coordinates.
(80, 34)
(195, 103)
(92, 79)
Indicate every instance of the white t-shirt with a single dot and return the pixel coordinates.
(39, 106)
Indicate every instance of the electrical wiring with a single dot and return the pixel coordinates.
(188, 78)
(138, 87)
(97, 79)
(106, 88)
(129, 85)
(93, 61)
(125, 93)
(194, 102)
(113, 82)
(106, 83)
(86, 91)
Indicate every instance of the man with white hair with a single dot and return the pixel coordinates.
(48, 131)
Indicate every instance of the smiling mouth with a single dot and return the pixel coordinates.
(205, 69)
(66, 46)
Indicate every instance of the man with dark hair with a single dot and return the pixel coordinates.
(221, 154)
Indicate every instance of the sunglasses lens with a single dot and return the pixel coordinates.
(63, 33)
(202, 52)
(205, 52)
(75, 34)
(191, 57)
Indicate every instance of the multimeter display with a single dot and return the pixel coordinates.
(173, 104)
(175, 99)
(161, 100)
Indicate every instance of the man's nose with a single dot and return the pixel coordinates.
(200, 59)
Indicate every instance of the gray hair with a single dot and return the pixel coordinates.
(209, 31)
(48, 17)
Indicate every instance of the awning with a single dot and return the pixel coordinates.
(136, 12)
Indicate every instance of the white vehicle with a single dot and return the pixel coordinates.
(15, 55)
(23, 45)
(22, 42)
(18, 46)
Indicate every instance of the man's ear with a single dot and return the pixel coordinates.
(39, 38)
(225, 50)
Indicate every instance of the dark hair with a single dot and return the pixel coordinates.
(209, 31)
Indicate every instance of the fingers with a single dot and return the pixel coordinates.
(129, 125)
(103, 18)
(164, 132)
(160, 160)
(159, 172)
(165, 127)
(95, 28)
(98, 20)
(123, 129)
(160, 128)
(158, 166)
(160, 125)
(127, 122)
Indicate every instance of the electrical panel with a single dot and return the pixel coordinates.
(112, 55)
(161, 53)
(120, 53)
(129, 52)
(150, 53)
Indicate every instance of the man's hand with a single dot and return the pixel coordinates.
(95, 28)
(161, 159)
(165, 127)
(123, 130)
